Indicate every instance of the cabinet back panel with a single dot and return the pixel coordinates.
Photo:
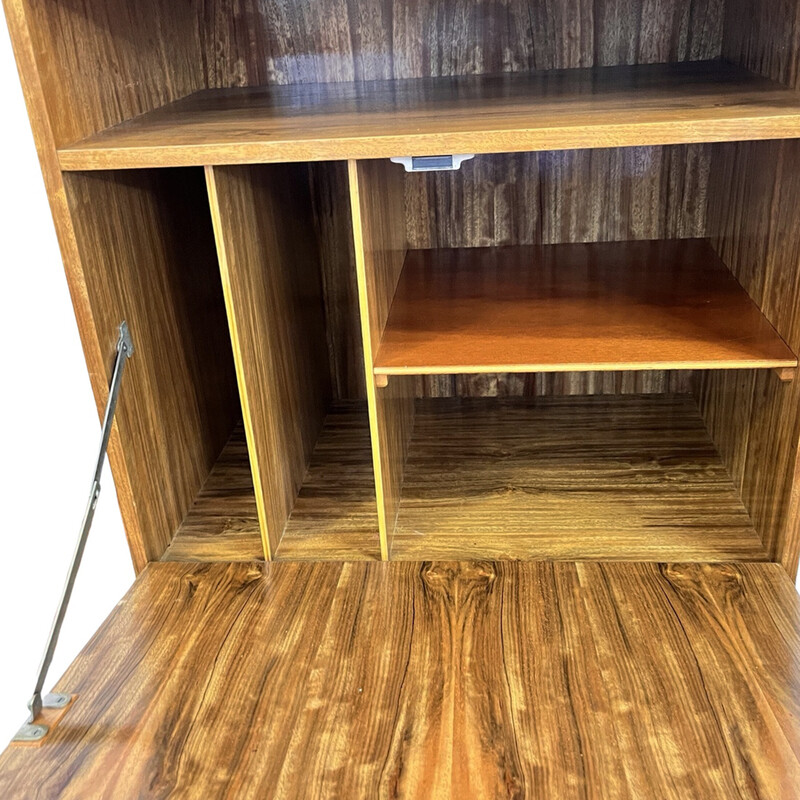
(254, 42)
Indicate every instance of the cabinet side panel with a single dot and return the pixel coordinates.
(339, 40)
(755, 194)
(98, 346)
(334, 223)
(271, 276)
(147, 248)
(105, 61)
(764, 36)
(754, 417)
(376, 193)
(554, 198)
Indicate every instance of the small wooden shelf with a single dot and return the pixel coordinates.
(623, 478)
(704, 101)
(334, 516)
(608, 306)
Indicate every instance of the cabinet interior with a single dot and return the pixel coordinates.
(231, 197)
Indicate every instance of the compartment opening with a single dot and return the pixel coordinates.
(539, 420)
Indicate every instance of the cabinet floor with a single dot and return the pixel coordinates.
(428, 680)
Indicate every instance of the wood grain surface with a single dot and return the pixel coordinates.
(553, 198)
(254, 42)
(525, 680)
(99, 63)
(147, 252)
(755, 418)
(222, 524)
(270, 264)
(334, 516)
(628, 305)
(376, 198)
(602, 107)
(630, 478)
(333, 223)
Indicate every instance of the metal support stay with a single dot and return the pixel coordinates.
(32, 731)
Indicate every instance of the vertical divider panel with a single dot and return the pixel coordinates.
(269, 261)
(376, 197)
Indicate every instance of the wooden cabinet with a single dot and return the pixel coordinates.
(579, 346)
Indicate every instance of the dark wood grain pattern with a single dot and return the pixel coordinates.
(222, 524)
(623, 305)
(334, 516)
(752, 220)
(603, 107)
(631, 478)
(561, 196)
(542, 384)
(433, 680)
(253, 42)
(333, 222)
(270, 265)
(376, 202)
(104, 62)
(755, 417)
(147, 252)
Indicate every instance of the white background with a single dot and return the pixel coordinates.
(49, 433)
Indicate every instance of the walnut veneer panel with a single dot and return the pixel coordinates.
(755, 417)
(376, 198)
(622, 305)
(631, 478)
(222, 524)
(147, 252)
(334, 40)
(330, 196)
(602, 107)
(334, 516)
(433, 680)
(753, 224)
(102, 62)
(271, 277)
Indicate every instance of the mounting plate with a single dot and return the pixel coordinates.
(36, 731)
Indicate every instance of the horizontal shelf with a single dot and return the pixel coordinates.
(334, 516)
(706, 101)
(603, 306)
(621, 477)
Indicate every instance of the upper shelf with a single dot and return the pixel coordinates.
(707, 101)
(574, 307)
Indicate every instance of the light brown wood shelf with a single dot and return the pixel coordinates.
(668, 304)
(703, 101)
(334, 516)
(618, 478)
